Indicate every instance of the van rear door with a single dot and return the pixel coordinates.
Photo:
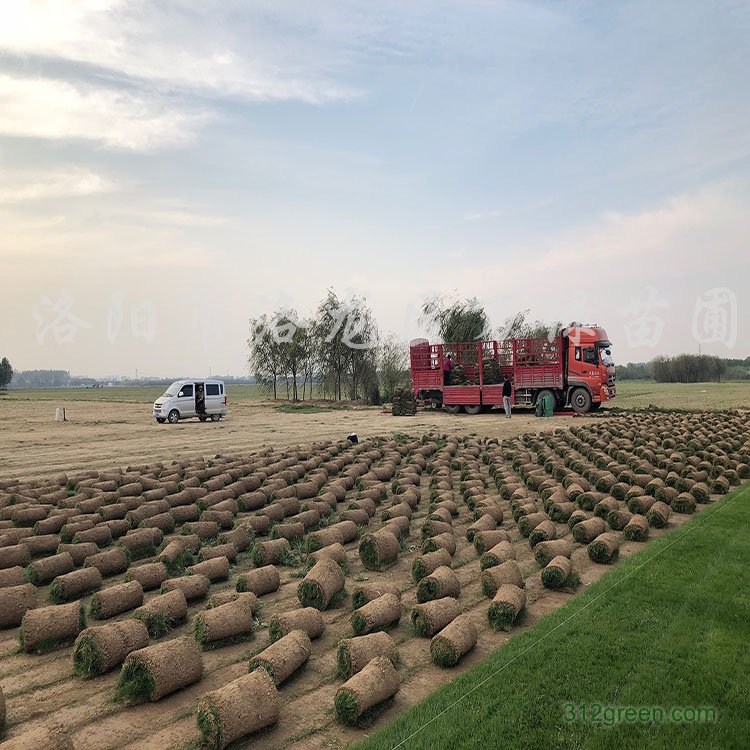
(214, 399)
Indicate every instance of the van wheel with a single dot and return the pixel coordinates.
(580, 400)
(473, 408)
(173, 416)
(215, 417)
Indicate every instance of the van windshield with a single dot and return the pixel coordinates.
(173, 389)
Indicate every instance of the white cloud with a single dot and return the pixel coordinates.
(55, 109)
(20, 187)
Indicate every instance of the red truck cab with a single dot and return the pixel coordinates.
(590, 377)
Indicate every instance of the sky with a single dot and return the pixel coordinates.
(169, 170)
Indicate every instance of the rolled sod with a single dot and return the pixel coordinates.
(101, 648)
(193, 586)
(545, 551)
(527, 523)
(348, 529)
(224, 597)
(433, 528)
(701, 492)
(505, 607)
(605, 548)
(259, 581)
(618, 519)
(307, 619)
(353, 654)
(377, 614)
(228, 623)
(398, 526)
(220, 550)
(323, 537)
(484, 540)
(48, 628)
(485, 523)
(140, 543)
(375, 683)
(150, 575)
(399, 509)
(488, 509)
(115, 600)
(43, 571)
(658, 514)
(215, 569)
(74, 585)
(493, 578)
(440, 583)
(42, 544)
(100, 535)
(641, 504)
(271, 552)
(586, 531)
(556, 573)
(110, 563)
(367, 592)
(79, 552)
(561, 511)
(576, 517)
(15, 601)
(45, 737)
(322, 582)
(445, 541)
(152, 672)
(241, 537)
(684, 502)
(430, 617)
(379, 550)
(335, 552)
(424, 565)
(604, 507)
(283, 657)
(163, 613)
(500, 553)
(637, 529)
(453, 641)
(11, 577)
(544, 532)
(288, 531)
(236, 710)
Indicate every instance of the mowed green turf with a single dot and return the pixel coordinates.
(668, 627)
(640, 394)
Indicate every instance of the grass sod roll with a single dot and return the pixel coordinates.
(377, 614)
(424, 565)
(454, 641)
(46, 569)
(398, 526)
(215, 569)
(74, 585)
(150, 575)
(11, 576)
(431, 617)
(527, 523)
(221, 550)
(228, 623)
(637, 529)
(155, 671)
(321, 584)
(618, 519)
(353, 654)
(576, 517)
(100, 649)
(379, 550)
(586, 531)
(375, 683)
(440, 583)
(48, 628)
(79, 552)
(15, 601)
(484, 540)
(271, 552)
(493, 578)
(557, 572)
(545, 551)
(115, 600)
(193, 586)
(112, 562)
(283, 657)
(544, 532)
(500, 553)
(323, 537)
(506, 606)
(485, 523)
(224, 597)
(605, 548)
(238, 709)
(367, 592)
(445, 541)
(307, 619)
(658, 515)
(163, 613)
(335, 552)
(684, 502)
(641, 504)
(260, 581)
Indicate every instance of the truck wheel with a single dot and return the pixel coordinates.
(546, 392)
(215, 417)
(580, 400)
(173, 416)
(473, 408)
(452, 408)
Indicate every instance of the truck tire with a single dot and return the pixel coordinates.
(452, 408)
(173, 416)
(580, 400)
(473, 408)
(546, 392)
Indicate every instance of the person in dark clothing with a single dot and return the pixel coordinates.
(507, 390)
(447, 369)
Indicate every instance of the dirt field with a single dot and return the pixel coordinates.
(104, 435)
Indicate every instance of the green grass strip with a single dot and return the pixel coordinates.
(136, 683)
(87, 656)
(665, 627)
(209, 724)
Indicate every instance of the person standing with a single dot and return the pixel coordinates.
(447, 369)
(507, 390)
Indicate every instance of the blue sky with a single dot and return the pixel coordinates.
(208, 162)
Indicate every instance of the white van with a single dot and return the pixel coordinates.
(205, 399)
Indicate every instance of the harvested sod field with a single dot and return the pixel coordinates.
(390, 528)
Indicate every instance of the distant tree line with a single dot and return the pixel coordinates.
(686, 368)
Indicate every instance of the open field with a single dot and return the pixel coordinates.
(640, 394)
(438, 485)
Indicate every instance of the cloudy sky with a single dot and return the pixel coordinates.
(170, 169)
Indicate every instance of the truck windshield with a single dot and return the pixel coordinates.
(172, 390)
(607, 359)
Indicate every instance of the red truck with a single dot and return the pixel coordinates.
(575, 367)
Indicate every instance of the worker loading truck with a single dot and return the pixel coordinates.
(573, 368)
